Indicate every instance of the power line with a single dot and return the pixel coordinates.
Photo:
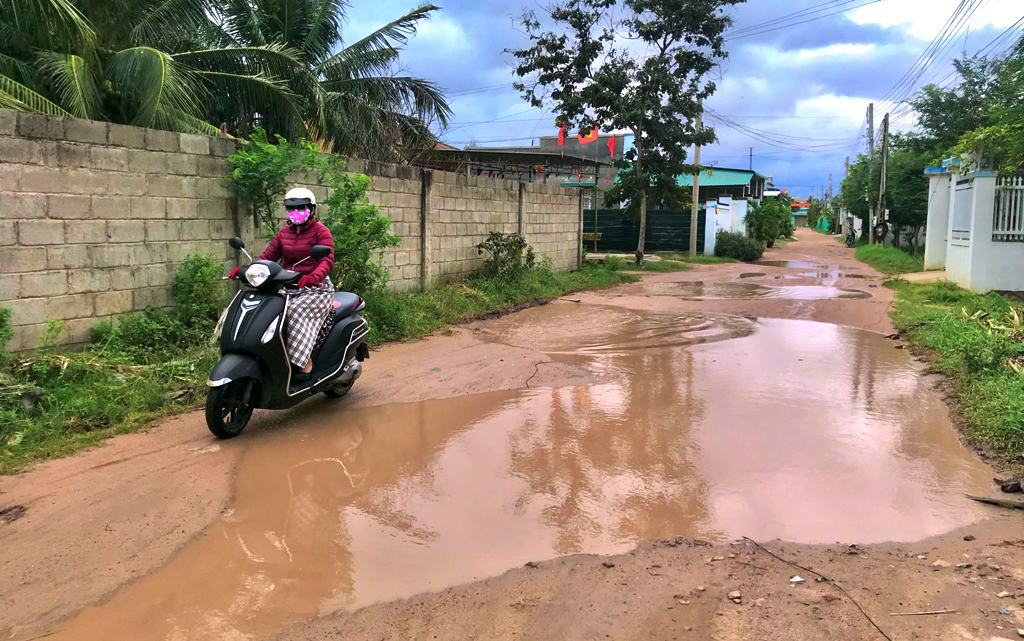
(831, 4)
(800, 22)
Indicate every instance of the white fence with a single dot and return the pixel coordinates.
(1008, 223)
(975, 229)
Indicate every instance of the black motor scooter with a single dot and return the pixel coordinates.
(254, 371)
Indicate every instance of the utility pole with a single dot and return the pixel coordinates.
(828, 202)
(696, 183)
(870, 169)
(751, 159)
(885, 162)
(846, 217)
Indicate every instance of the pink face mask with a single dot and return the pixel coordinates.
(299, 216)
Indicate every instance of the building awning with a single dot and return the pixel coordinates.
(498, 161)
(720, 177)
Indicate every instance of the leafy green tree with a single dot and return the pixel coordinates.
(768, 221)
(584, 67)
(907, 194)
(945, 114)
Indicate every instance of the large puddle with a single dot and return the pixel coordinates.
(698, 290)
(789, 429)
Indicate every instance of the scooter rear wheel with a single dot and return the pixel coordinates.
(226, 415)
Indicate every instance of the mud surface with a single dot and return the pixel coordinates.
(385, 502)
(566, 429)
(698, 290)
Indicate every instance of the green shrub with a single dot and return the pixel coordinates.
(199, 292)
(260, 172)
(770, 220)
(6, 332)
(614, 263)
(509, 256)
(361, 232)
(735, 245)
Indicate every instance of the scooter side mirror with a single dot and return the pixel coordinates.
(236, 243)
(319, 252)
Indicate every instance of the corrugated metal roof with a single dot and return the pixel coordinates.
(715, 177)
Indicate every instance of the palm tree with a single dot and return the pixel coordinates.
(140, 62)
(356, 104)
(187, 65)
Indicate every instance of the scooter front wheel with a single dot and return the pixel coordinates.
(226, 414)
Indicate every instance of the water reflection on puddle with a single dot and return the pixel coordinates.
(698, 290)
(717, 427)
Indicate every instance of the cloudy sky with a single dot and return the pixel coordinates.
(797, 79)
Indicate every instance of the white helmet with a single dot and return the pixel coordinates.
(299, 196)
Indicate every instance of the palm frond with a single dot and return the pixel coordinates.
(170, 16)
(365, 128)
(260, 97)
(154, 87)
(74, 81)
(324, 21)
(275, 58)
(51, 23)
(14, 95)
(241, 20)
(192, 125)
(400, 94)
(350, 63)
(393, 35)
(17, 69)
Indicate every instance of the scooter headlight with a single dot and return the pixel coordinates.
(257, 274)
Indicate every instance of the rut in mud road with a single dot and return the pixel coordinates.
(696, 404)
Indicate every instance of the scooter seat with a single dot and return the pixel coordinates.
(345, 303)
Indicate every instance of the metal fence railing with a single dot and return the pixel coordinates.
(1008, 217)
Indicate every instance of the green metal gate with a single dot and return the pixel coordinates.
(666, 230)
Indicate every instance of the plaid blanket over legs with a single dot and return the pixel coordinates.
(307, 309)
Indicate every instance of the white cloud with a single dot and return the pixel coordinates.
(836, 50)
(924, 19)
(441, 31)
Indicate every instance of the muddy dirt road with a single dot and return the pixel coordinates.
(658, 423)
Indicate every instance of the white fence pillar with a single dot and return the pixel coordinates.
(937, 227)
(739, 216)
(710, 227)
(994, 265)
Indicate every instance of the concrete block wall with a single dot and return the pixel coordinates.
(95, 217)
(464, 210)
(552, 223)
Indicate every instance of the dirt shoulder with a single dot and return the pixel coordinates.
(679, 589)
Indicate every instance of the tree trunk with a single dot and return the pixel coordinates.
(641, 179)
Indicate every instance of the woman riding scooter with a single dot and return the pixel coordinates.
(308, 307)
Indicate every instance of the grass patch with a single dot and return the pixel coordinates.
(152, 365)
(656, 266)
(786, 241)
(398, 317)
(889, 260)
(700, 259)
(978, 341)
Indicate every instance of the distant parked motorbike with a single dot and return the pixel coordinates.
(851, 239)
(254, 371)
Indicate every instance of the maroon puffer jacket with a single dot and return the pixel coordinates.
(292, 244)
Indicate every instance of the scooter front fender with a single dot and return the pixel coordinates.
(233, 367)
